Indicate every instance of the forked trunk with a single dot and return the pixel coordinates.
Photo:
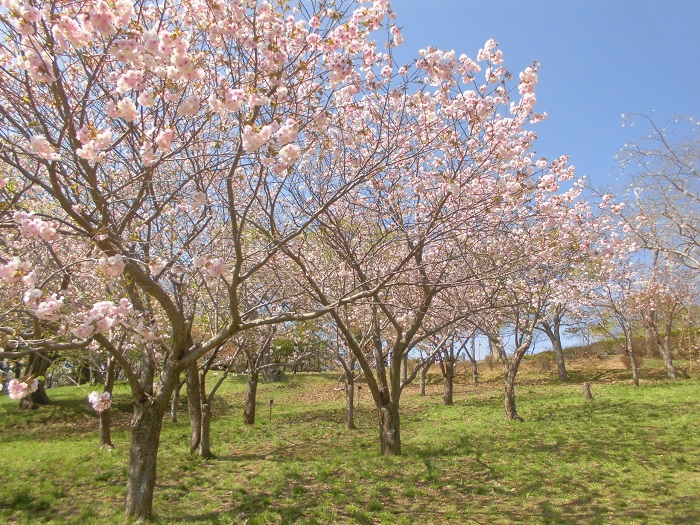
(390, 430)
(251, 399)
(194, 406)
(350, 402)
(205, 440)
(145, 437)
(554, 336)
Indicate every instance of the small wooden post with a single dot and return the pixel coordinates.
(271, 410)
(587, 391)
(359, 387)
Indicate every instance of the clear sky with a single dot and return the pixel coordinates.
(599, 59)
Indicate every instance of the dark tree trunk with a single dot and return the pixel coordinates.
(205, 442)
(251, 398)
(448, 383)
(106, 415)
(511, 410)
(194, 405)
(633, 359)
(106, 429)
(145, 438)
(390, 429)
(554, 334)
(635, 368)
(37, 365)
(350, 402)
(670, 369)
(423, 374)
(404, 369)
(665, 347)
(175, 401)
(205, 421)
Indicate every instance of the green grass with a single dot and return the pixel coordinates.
(629, 456)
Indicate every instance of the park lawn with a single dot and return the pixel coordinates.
(629, 456)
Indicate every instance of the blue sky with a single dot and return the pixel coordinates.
(599, 59)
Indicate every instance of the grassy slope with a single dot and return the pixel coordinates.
(629, 456)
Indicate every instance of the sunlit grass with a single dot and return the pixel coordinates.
(629, 456)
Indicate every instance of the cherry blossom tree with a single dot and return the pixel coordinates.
(168, 141)
(462, 186)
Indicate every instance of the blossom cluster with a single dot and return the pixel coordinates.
(112, 266)
(45, 308)
(14, 270)
(100, 402)
(102, 317)
(21, 389)
(94, 144)
(34, 226)
(214, 267)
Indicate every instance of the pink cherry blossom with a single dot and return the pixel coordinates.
(189, 106)
(290, 153)
(156, 266)
(47, 310)
(43, 148)
(14, 269)
(164, 139)
(125, 109)
(20, 389)
(112, 266)
(100, 402)
(34, 226)
(129, 80)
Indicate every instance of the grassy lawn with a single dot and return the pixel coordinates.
(629, 456)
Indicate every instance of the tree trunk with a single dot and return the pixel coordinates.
(105, 429)
(106, 415)
(194, 406)
(670, 369)
(511, 411)
(633, 359)
(475, 370)
(175, 401)
(448, 383)
(251, 398)
(561, 363)
(665, 347)
(635, 369)
(554, 335)
(350, 402)
(37, 365)
(587, 391)
(145, 438)
(205, 441)
(423, 374)
(404, 369)
(390, 430)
